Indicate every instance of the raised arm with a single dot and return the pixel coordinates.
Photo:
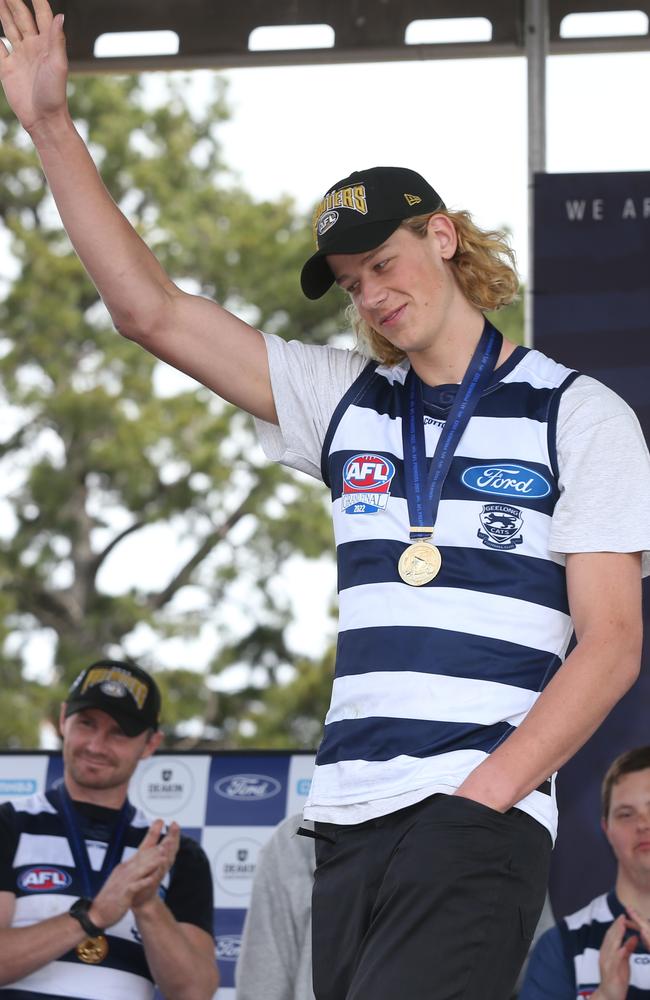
(190, 332)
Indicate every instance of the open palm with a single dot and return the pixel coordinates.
(34, 73)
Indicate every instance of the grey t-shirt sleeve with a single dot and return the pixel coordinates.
(604, 469)
(308, 380)
(275, 957)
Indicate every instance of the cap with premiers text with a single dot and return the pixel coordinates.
(359, 213)
(123, 690)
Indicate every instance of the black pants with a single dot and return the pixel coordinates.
(438, 901)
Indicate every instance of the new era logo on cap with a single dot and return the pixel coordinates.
(359, 213)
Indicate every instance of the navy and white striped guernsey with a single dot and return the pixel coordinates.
(582, 936)
(431, 679)
(46, 884)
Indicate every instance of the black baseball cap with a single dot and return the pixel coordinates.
(124, 691)
(359, 213)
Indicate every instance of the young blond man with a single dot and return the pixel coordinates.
(468, 550)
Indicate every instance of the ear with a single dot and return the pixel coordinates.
(444, 232)
(152, 744)
(603, 827)
(62, 717)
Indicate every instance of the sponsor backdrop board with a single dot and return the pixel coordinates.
(229, 802)
(592, 312)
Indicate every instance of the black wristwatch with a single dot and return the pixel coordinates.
(79, 910)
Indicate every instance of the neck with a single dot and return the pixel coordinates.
(446, 361)
(634, 893)
(109, 798)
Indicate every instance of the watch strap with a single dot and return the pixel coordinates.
(79, 910)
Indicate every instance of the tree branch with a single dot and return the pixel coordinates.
(15, 441)
(51, 609)
(101, 557)
(159, 600)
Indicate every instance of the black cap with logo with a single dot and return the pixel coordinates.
(359, 213)
(124, 691)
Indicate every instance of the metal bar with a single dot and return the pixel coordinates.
(310, 57)
(536, 29)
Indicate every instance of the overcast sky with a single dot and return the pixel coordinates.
(462, 124)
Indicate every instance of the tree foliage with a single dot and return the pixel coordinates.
(98, 448)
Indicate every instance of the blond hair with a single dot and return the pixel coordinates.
(484, 267)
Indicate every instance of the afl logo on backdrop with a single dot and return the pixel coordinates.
(366, 483)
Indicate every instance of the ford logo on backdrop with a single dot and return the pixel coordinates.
(228, 947)
(506, 480)
(247, 787)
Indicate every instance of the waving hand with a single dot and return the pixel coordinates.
(34, 72)
(190, 332)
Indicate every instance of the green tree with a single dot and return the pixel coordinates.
(100, 447)
(510, 320)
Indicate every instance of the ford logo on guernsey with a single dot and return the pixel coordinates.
(507, 480)
(43, 879)
(366, 484)
(247, 787)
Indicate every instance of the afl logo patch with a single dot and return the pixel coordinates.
(326, 221)
(366, 483)
(44, 879)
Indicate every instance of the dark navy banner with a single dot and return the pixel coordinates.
(591, 311)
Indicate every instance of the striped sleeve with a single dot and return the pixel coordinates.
(550, 974)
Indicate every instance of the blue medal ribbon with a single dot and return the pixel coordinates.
(92, 880)
(423, 491)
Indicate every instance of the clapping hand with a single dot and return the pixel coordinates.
(614, 960)
(134, 883)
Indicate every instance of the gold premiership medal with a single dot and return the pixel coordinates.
(419, 563)
(93, 950)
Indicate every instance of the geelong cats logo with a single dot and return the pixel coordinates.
(501, 524)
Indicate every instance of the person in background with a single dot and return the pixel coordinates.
(97, 902)
(275, 958)
(603, 950)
